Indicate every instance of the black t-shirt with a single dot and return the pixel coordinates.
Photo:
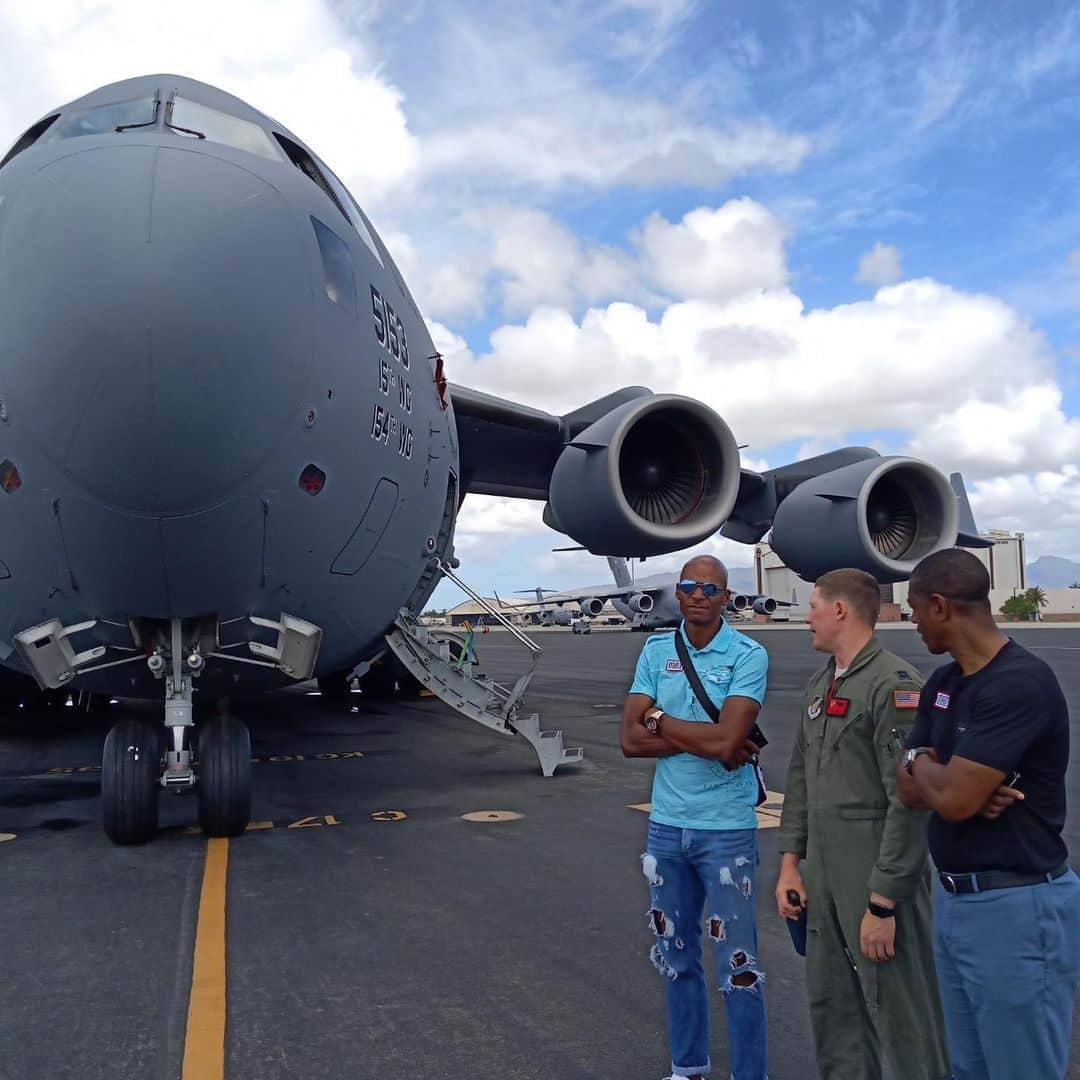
(1010, 716)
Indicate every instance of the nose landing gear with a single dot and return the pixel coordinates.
(134, 769)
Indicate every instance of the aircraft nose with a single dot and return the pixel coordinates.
(155, 316)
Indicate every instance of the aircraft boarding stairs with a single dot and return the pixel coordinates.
(435, 659)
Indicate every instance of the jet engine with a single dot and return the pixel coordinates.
(654, 475)
(642, 603)
(764, 605)
(739, 602)
(881, 515)
(591, 607)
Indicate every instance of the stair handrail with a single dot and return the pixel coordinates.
(529, 644)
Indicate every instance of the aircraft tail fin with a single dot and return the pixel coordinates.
(620, 570)
(968, 536)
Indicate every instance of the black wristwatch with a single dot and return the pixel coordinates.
(652, 721)
(881, 911)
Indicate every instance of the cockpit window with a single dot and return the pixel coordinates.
(306, 164)
(338, 274)
(186, 117)
(120, 116)
(30, 137)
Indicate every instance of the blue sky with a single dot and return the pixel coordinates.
(833, 222)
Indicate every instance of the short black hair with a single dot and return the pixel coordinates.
(955, 574)
(717, 565)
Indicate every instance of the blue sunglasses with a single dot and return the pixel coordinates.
(709, 588)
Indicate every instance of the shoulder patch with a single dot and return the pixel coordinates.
(674, 665)
(905, 699)
(903, 674)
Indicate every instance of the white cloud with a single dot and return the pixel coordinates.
(540, 261)
(1045, 506)
(1028, 431)
(288, 58)
(880, 266)
(716, 254)
(607, 141)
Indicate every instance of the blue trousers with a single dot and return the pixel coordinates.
(695, 873)
(1008, 964)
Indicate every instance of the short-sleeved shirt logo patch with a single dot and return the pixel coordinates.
(905, 699)
(941, 701)
(814, 711)
(674, 665)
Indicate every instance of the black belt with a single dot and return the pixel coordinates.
(996, 879)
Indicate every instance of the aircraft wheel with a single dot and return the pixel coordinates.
(130, 775)
(381, 678)
(224, 785)
(335, 687)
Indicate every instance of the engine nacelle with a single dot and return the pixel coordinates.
(591, 607)
(654, 475)
(739, 602)
(764, 605)
(881, 515)
(642, 603)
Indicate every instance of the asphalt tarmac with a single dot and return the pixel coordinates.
(372, 932)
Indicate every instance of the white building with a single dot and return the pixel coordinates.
(1005, 560)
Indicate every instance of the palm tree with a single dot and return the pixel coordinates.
(1037, 597)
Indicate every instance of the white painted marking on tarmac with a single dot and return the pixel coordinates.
(768, 813)
(6, 836)
(493, 815)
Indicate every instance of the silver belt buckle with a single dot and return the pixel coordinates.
(949, 883)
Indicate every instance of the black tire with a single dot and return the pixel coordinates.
(335, 687)
(381, 678)
(224, 785)
(130, 781)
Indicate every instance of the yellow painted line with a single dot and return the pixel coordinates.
(389, 815)
(6, 836)
(204, 1048)
(644, 807)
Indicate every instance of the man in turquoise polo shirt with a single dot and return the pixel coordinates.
(702, 853)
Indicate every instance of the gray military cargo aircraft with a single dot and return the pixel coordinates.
(230, 459)
(646, 604)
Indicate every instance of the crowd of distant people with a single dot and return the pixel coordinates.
(922, 871)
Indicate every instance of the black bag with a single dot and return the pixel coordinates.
(756, 736)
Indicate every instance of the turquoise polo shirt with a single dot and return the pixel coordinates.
(692, 792)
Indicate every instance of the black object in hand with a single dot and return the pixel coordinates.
(797, 927)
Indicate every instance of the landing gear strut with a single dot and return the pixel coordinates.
(134, 769)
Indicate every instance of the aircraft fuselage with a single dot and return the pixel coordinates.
(216, 393)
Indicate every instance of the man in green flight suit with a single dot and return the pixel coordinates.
(869, 959)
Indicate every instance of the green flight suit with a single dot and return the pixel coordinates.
(842, 815)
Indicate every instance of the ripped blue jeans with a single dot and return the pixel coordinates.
(706, 878)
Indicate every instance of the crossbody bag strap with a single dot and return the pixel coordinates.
(756, 736)
(706, 702)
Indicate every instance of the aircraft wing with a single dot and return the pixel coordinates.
(510, 449)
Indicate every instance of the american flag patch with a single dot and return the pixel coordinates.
(905, 699)
(674, 665)
(941, 701)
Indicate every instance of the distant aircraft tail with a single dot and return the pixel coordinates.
(620, 570)
(969, 534)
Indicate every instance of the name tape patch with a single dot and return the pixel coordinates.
(906, 699)
(674, 665)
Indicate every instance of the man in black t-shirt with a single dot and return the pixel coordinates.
(988, 755)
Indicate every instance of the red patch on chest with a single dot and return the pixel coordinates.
(838, 706)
